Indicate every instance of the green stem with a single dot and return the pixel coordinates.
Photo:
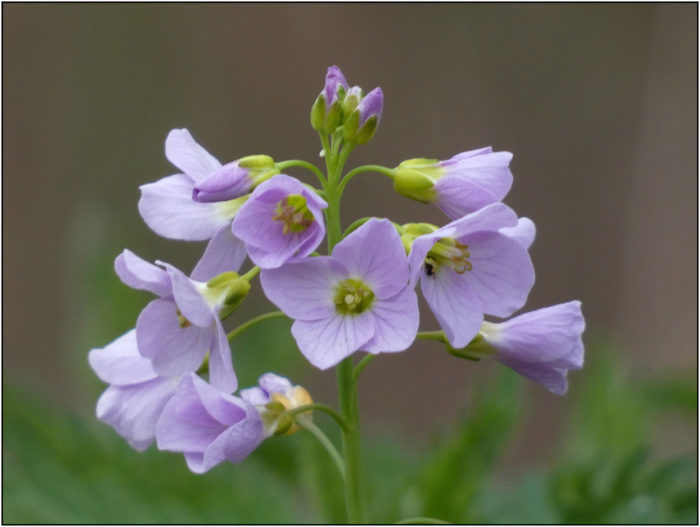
(432, 335)
(347, 395)
(301, 163)
(421, 520)
(362, 364)
(366, 168)
(327, 444)
(356, 224)
(321, 407)
(252, 273)
(347, 387)
(266, 316)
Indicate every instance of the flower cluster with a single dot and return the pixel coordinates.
(172, 377)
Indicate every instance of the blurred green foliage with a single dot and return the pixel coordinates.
(61, 469)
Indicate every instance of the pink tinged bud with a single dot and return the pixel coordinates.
(362, 123)
(371, 105)
(228, 182)
(335, 87)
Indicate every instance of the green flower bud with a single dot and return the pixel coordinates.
(318, 113)
(352, 99)
(350, 126)
(332, 119)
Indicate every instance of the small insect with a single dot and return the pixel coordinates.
(429, 269)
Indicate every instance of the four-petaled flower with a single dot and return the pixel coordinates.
(282, 221)
(176, 330)
(356, 299)
(471, 267)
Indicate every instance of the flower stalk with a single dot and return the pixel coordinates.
(347, 385)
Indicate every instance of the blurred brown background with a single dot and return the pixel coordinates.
(598, 103)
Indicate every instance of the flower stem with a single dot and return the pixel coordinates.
(318, 406)
(362, 365)
(365, 168)
(305, 164)
(432, 335)
(347, 387)
(347, 395)
(265, 316)
(252, 273)
(327, 444)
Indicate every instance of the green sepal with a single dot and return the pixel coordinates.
(367, 131)
(349, 104)
(229, 290)
(414, 184)
(318, 113)
(476, 350)
(258, 161)
(332, 118)
(350, 126)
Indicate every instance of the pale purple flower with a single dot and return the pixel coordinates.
(356, 299)
(470, 267)
(282, 220)
(473, 180)
(541, 345)
(198, 202)
(208, 425)
(460, 185)
(176, 330)
(136, 396)
(524, 232)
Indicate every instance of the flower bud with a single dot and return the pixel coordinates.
(362, 123)
(352, 99)
(275, 418)
(326, 110)
(318, 113)
(234, 179)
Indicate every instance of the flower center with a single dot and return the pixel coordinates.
(293, 213)
(449, 252)
(352, 297)
(181, 320)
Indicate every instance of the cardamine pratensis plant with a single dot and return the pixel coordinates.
(172, 378)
